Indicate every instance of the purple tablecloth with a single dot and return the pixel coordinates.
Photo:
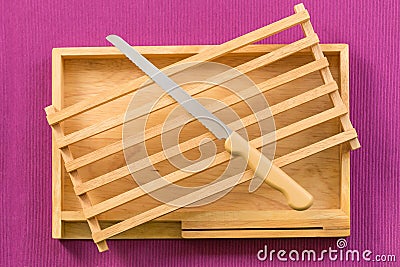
(30, 29)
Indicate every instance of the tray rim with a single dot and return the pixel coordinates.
(60, 54)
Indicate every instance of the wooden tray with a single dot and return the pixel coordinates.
(313, 131)
(89, 71)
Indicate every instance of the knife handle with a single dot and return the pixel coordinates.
(298, 198)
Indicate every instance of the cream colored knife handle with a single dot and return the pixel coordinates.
(298, 198)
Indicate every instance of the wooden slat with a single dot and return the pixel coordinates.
(258, 62)
(319, 146)
(167, 215)
(205, 55)
(265, 233)
(218, 187)
(332, 219)
(221, 216)
(264, 86)
(303, 98)
(300, 126)
(151, 186)
(327, 76)
(223, 157)
(265, 224)
(91, 130)
(166, 208)
(75, 179)
(248, 223)
(251, 119)
(218, 79)
(344, 151)
(57, 183)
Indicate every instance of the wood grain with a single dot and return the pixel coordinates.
(285, 100)
(327, 76)
(84, 199)
(220, 158)
(266, 59)
(251, 119)
(57, 179)
(205, 55)
(264, 86)
(98, 143)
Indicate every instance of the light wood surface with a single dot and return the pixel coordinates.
(265, 86)
(75, 179)
(223, 157)
(301, 203)
(264, 233)
(251, 119)
(311, 142)
(344, 153)
(205, 55)
(280, 106)
(224, 77)
(268, 217)
(57, 164)
(298, 198)
(326, 75)
(111, 52)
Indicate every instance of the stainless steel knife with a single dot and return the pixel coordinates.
(298, 198)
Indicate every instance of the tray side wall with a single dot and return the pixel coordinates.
(68, 226)
(57, 172)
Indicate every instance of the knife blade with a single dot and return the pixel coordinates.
(298, 198)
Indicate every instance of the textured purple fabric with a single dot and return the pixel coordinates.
(30, 29)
